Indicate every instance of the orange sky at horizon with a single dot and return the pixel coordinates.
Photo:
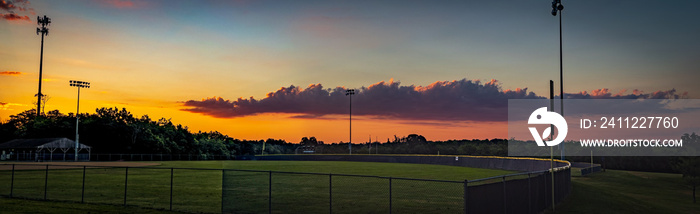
(330, 128)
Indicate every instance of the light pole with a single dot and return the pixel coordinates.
(78, 84)
(557, 6)
(43, 22)
(350, 92)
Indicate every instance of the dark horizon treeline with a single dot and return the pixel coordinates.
(115, 131)
(111, 130)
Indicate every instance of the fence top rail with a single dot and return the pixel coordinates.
(518, 174)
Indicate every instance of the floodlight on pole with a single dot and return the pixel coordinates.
(78, 84)
(350, 92)
(557, 6)
(43, 22)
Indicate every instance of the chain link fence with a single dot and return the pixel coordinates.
(250, 191)
(289, 192)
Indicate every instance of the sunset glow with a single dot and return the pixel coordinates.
(268, 69)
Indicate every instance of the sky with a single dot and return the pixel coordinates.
(279, 69)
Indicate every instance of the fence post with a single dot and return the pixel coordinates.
(269, 194)
(505, 202)
(82, 192)
(223, 187)
(126, 179)
(466, 193)
(46, 181)
(330, 193)
(529, 194)
(390, 208)
(171, 188)
(552, 175)
(544, 193)
(12, 181)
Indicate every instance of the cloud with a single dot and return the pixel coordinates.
(8, 7)
(10, 73)
(459, 100)
(6, 106)
(15, 17)
(605, 93)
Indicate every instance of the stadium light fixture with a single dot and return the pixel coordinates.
(43, 22)
(78, 84)
(350, 92)
(557, 6)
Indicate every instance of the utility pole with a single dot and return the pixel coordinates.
(43, 22)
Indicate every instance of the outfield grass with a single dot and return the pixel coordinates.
(616, 191)
(404, 170)
(201, 190)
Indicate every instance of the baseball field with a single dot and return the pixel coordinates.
(197, 185)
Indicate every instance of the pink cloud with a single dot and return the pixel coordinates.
(458, 100)
(605, 93)
(8, 7)
(15, 17)
(442, 100)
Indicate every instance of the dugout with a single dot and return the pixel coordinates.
(44, 149)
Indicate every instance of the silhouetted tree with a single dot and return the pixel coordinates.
(690, 168)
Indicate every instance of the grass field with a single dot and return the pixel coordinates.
(201, 190)
(616, 191)
(606, 192)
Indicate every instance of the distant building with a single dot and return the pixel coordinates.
(305, 149)
(44, 149)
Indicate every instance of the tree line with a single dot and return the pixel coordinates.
(114, 130)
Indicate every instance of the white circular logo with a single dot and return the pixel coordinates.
(542, 116)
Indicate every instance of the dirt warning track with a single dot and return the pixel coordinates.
(70, 165)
